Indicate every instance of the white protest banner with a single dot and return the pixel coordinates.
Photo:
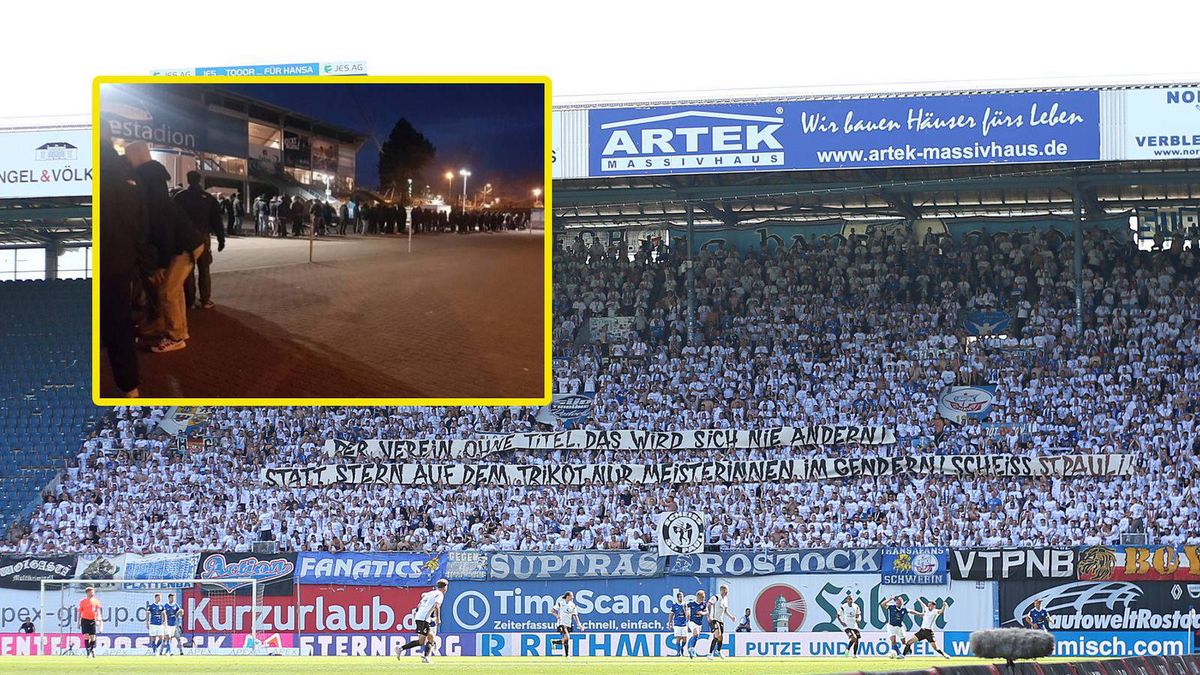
(621, 439)
(733, 471)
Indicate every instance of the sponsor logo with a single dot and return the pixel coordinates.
(692, 139)
(56, 151)
(326, 567)
(320, 608)
(780, 608)
(1184, 97)
(1104, 605)
(345, 68)
(471, 610)
(216, 567)
(681, 532)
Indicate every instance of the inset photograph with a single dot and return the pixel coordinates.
(307, 241)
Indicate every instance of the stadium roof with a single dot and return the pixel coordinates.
(873, 194)
(64, 221)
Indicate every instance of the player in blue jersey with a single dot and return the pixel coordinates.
(697, 610)
(156, 624)
(678, 620)
(174, 631)
(896, 613)
(1037, 617)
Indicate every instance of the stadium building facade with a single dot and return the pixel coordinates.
(238, 143)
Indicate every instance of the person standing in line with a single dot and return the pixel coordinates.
(297, 217)
(205, 214)
(122, 237)
(175, 241)
(260, 215)
(239, 210)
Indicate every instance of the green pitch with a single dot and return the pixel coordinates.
(533, 665)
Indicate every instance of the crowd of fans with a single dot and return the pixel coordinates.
(865, 331)
(275, 215)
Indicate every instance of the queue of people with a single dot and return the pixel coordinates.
(152, 245)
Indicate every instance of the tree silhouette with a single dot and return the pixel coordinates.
(402, 157)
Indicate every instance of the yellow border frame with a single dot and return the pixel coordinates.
(548, 238)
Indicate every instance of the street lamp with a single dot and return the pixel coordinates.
(465, 174)
(537, 194)
(410, 188)
(449, 184)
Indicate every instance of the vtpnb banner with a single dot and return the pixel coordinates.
(732, 471)
(1012, 564)
(620, 439)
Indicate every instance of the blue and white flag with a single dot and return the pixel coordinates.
(987, 323)
(566, 408)
(960, 403)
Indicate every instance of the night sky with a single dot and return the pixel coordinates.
(494, 130)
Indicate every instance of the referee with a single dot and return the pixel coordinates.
(90, 620)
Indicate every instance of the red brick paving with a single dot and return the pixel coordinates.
(459, 317)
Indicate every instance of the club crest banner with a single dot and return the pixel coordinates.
(680, 533)
(958, 404)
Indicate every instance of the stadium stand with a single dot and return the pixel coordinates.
(44, 400)
(864, 331)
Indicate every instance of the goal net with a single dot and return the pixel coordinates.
(204, 616)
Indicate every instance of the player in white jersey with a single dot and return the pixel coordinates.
(566, 616)
(929, 617)
(718, 609)
(850, 617)
(428, 615)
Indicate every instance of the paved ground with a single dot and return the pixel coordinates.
(461, 316)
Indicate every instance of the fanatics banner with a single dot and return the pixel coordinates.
(624, 439)
(733, 471)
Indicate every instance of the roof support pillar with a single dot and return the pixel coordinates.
(1077, 203)
(691, 276)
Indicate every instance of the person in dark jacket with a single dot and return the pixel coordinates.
(176, 244)
(260, 215)
(239, 211)
(205, 215)
(297, 217)
(122, 228)
(343, 218)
